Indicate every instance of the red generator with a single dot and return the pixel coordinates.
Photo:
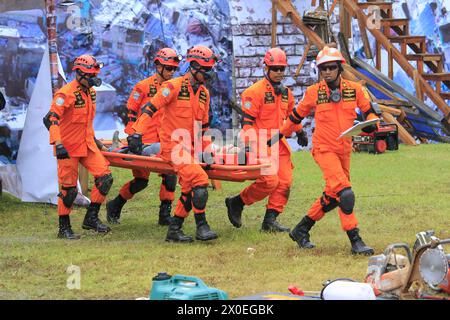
(382, 139)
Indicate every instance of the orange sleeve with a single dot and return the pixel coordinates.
(59, 104)
(303, 109)
(361, 99)
(250, 109)
(133, 106)
(161, 99)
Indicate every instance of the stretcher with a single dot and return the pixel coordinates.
(226, 172)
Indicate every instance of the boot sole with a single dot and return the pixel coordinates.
(112, 221)
(206, 239)
(235, 224)
(93, 228)
(74, 238)
(364, 253)
(274, 230)
(300, 246)
(178, 241)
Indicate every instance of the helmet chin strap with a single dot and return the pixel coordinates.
(277, 86)
(162, 72)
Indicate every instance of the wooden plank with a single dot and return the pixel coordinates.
(365, 38)
(405, 65)
(372, 83)
(304, 56)
(333, 5)
(402, 133)
(394, 103)
(393, 111)
(417, 86)
(443, 76)
(274, 23)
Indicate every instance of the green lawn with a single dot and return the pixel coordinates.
(397, 195)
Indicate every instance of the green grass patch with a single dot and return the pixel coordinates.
(397, 195)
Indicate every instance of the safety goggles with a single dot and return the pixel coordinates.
(277, 69)
(213, 58)
(332, 67)
(96, 65)
(177, 58)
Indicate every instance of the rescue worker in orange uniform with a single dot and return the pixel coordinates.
(185, 101)
(70, 123)
(335, 100)
(265, 105)
(166, 62)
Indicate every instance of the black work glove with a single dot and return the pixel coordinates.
(369, 129)
(135, 144)
(302, 138)
(61, 152)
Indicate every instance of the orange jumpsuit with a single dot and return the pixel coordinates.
(330, 153)
(76, 111)
(187, 111)
(263, 109)
(142, 92)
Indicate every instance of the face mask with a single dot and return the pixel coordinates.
(95, 81)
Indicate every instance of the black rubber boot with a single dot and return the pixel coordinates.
(270, 223)
(91, 220)
(175, 234)
(114, 209)
(164, 212)
(204, 233)
(300, 234)
(358, 245)
(235, 205)
(65, 229)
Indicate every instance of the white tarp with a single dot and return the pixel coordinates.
(35, 161)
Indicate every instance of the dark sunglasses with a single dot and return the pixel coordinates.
(206, 69)
(277, 69)
(330, 68)
(170, 68)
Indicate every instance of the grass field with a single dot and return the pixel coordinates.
(397, 195)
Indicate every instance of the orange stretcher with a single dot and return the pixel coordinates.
(225, 172)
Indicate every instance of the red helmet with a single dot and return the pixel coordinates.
(204, 56)
(87, 64)
(168, 57)
(328, 54)
(275, 57)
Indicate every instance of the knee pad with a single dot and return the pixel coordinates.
(104, 183)
(328, 203)
(199, 197)
(69, 198)
(138, 184)
(186, 201)
(347, 200)
(170, 182)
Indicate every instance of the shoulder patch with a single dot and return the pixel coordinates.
(136, 95)
(165, 92)
(247, 105)
(59, 101)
